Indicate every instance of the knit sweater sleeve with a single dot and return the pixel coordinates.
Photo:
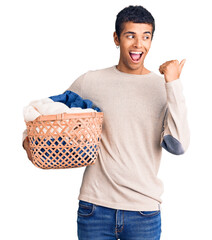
(175, 136)
(77, 85)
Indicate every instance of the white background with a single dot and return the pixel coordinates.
(44, 46)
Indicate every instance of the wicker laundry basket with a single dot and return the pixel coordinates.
(67, 140)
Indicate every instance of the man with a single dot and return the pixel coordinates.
(143, 113)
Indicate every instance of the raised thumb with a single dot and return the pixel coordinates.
(182, 64)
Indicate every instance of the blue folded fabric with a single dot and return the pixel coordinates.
(72, 99)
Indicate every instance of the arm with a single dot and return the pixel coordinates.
(175, 136)
(76, 86)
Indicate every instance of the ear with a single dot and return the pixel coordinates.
(116, 40)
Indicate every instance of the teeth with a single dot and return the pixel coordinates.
(137, 52)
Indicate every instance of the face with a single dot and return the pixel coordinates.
(135, 42)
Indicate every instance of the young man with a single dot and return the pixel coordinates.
(143, 113)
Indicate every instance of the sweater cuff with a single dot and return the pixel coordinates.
(174, 90)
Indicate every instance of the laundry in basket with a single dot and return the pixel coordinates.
(64, 131)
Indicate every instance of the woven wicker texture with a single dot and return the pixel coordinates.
(66, 140)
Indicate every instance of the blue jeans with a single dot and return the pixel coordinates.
(96, 222)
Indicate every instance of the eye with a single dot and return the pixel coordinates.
(130, 36)
(146, 37)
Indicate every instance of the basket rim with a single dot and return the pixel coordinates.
(66, 116)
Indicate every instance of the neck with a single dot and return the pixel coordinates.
(140, 71)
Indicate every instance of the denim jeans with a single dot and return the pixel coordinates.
(95, 222)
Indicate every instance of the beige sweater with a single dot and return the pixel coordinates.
(136, 126)
(142, 115)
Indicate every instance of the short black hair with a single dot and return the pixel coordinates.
(136, 14)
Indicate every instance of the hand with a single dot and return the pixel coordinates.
(171, 69)
(27, 148)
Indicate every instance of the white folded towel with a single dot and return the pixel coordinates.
(47, 106)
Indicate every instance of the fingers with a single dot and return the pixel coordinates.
(27, 148)
(160, 70)
(163, 67)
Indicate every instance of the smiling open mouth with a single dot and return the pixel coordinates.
(135, 56)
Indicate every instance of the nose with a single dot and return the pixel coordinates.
(138, 43)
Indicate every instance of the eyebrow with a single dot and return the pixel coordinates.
(135, 33)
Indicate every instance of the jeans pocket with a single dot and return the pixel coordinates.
(149, 213)
(85, 209)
